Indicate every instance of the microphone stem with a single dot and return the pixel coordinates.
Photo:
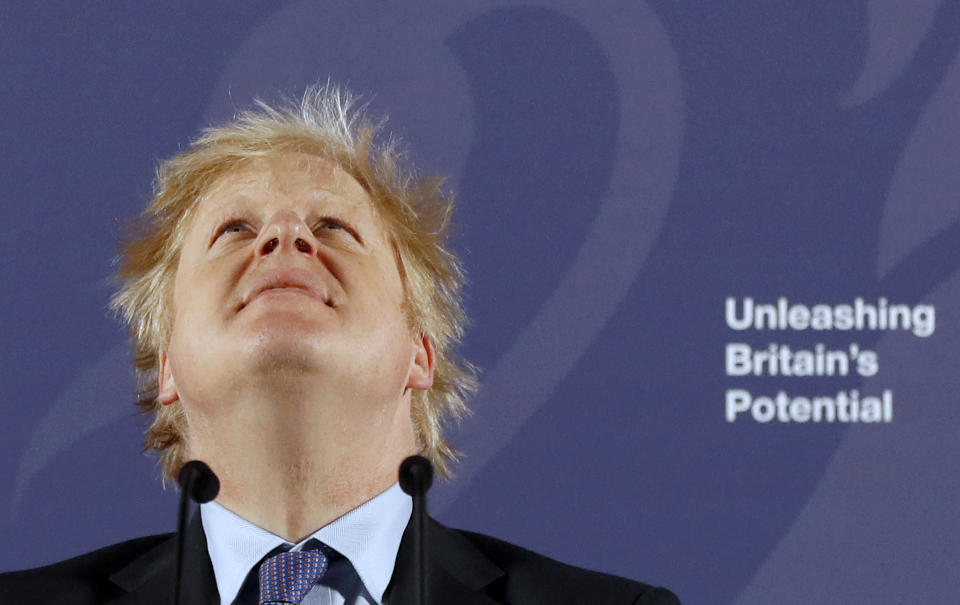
(420, 506)
(186, 490)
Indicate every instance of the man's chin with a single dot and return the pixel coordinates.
(293, 355)
(286, 365)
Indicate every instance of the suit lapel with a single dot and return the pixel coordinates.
(458, 572)
(150, 579)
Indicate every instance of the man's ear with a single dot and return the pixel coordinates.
(424, 362)
(166, 386)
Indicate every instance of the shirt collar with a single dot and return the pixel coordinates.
(368, 536)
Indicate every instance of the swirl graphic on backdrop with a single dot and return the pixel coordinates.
(895, 30)
(88, 404)
(305, 42)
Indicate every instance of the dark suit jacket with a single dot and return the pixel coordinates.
(465, 569)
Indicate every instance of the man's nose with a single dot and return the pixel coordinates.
(285, 231)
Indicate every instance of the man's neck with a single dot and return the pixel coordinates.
(294, 475)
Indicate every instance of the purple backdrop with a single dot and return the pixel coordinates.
(622, 172)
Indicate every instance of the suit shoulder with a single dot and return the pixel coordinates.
(557, 582)
(80, 579)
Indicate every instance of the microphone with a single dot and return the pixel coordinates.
(200, 484)
(198, 481)
(416, 477)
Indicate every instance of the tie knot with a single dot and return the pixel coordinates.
(287, 577)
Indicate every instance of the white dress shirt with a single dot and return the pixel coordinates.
(368, 537)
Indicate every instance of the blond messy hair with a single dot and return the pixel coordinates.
(327, 123)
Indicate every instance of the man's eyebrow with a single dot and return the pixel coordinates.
(214, 217)
(317, 216)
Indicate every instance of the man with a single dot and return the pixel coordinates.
(294, 310)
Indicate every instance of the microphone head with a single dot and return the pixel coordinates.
(198, 481)
(416, 475)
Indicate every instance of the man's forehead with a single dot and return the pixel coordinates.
(295, 174)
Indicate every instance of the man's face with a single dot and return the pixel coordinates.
(287, 272)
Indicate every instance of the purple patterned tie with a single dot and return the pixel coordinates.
(287, 578)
